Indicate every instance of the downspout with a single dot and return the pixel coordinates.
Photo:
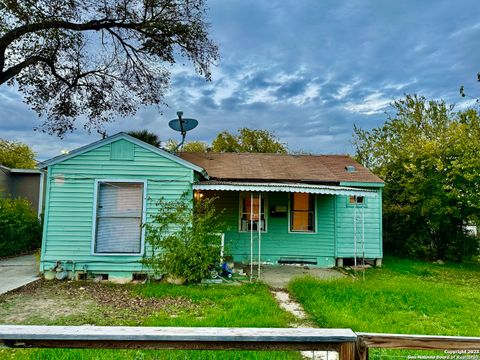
(41, 189)
(259, 229)
(363, 232)
(45, 221)
(363, 238)
(335, 232)
(355, 231)
(380, 209)
(251, 236)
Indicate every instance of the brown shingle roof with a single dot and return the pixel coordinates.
(280, 167)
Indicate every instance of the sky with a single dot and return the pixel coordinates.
(306, 70)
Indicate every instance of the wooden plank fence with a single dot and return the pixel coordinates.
(349, 345)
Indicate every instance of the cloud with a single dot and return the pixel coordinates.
(372, 104)
(465, 30)
(306, 70)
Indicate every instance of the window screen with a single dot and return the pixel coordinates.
(302, 212)
(119, 218)
(249, 214)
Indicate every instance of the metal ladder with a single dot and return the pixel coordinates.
(358, 232)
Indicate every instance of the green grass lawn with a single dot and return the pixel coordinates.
(403, 296)
(249, 305)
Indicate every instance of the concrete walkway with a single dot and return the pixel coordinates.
(279, 276)
(17, 272)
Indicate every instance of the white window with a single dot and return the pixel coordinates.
(302, 212)
(118, 218)
(252, 214)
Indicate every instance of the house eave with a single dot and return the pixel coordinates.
(127, 137)
(283, 187)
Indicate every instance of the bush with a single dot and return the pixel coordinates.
(184, 238)
(427, 153)
(450, 242)
(20, 229)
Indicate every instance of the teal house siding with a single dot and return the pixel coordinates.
(277, 242)
(370, 227)
(70, 202)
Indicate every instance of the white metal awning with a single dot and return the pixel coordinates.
(283, 187)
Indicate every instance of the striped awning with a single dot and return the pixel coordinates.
(283, 187)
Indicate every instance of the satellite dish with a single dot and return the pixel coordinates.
(182, 125)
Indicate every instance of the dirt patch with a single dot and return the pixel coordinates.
(280, 275)
(76, 303)
(36, 303)
(39, 310)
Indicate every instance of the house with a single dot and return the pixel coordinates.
(24, 183)
(315, 210)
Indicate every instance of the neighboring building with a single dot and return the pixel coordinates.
(23, 183)
(313, 210)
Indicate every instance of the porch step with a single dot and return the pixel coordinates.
(298, 260)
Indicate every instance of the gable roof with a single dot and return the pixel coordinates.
(129, 138)
(281, 167)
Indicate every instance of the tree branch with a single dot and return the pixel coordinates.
(15, 70)
(96, 25)
(16, 33)
(98, 58)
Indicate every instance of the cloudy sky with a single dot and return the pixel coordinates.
(307, 70)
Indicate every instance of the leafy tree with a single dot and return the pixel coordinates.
(16, 155)
(195, 146)
(189, 248)
(190, 146)
(428, 156)
(170, 145)
(248, 140)
(146, 136)
(95, 58)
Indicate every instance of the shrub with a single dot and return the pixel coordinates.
(20, 229)
(427, 153)
(184, 238)
(451, 242)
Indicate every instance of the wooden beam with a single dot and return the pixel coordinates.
(419, 342)
(113, 337)
(349, 345)
(346, 351)
(361, 350)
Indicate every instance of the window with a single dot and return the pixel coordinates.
(249, 212)
(302, 212)
(356, 200)
(118, 217)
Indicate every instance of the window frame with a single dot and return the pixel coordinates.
(241, 196)
(97, 183)
(315, 226)
(364, 204)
